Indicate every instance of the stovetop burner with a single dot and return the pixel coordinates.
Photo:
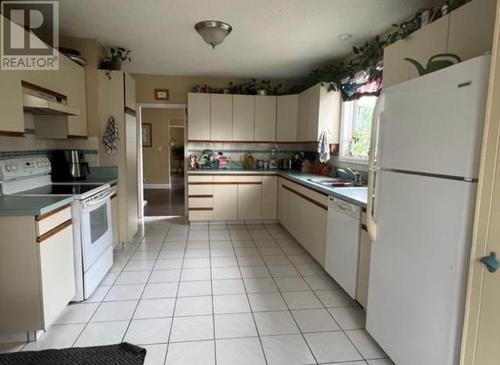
(61, 189)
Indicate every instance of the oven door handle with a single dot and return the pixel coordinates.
(105, 195)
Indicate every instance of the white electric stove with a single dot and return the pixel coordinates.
(91, 210)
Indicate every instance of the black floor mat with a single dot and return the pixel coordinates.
(123, 354)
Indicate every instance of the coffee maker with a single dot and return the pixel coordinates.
(69, 165)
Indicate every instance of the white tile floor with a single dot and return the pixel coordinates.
(218, 294)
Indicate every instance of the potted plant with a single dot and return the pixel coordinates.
(266, 88)
(115, 61)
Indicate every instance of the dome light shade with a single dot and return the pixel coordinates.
(213, 31)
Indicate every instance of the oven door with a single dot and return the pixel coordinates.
(96, 227)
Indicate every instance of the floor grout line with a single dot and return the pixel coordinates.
(212, 297)
(145, 285)
(100, 303)
(176, 297)
(329, 313)
(251, 310)
(290, 311)
(242, 243)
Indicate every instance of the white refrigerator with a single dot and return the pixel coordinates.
(424, 165)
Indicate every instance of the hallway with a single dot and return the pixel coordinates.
(166, 202)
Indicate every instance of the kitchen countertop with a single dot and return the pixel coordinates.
(354, 195)
(232, 171)
(96, 180)
(15, 205)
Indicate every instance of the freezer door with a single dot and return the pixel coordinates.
(418, 267)
(434, 124)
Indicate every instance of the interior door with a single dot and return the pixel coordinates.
(488, 338)
(481, 344)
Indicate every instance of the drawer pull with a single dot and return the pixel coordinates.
(306, 198)
(41, 217)
(54, 231)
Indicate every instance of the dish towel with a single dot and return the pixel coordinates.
(111, 137)
(323, 147)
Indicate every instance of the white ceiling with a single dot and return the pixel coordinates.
(270, 38)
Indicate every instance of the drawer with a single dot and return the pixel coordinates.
(200, 215)
(200, 178)
(226, 179)
(249, 179)
(201, 202)
(51, 220)
(114, 188)
(200, 189)
(311, 194)
(363, 217)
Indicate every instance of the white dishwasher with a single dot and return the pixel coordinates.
(342, 245)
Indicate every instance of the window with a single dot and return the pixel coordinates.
(356, 129)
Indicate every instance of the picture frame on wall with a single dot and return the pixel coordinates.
(147, 140)
(161, 94)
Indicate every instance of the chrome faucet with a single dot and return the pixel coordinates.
(356, 176)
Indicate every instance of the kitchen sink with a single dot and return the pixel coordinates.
(333, 182)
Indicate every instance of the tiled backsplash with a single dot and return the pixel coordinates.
(29, 145)
(259, 151)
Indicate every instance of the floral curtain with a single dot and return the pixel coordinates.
(353, 90)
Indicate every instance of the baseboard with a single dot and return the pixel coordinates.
(157, 186)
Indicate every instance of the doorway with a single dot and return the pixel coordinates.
(161, 161)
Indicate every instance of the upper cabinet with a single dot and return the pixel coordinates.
(221, 117)
(429, 41)
(287, 114)
(74, 76)
(68, 81)
(265, 118)
(11, 104)
(198, 116)
(471, 29)
(243, 118)
(466, 32)
(129, 92)
(318, 112)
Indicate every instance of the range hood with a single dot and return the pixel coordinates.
(41, 101)
(40, 105)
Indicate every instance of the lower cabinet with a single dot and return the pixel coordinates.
(37, 275)
(114, 216)
(250, 201)
(313, 227)
(57, 273)
(365, 248)
(303, 217)
(269, 197)
(225, 202)
(294, 220)
(231, 197)
(283, 205)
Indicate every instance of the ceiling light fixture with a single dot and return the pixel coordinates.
(213, 31)
(344, 36)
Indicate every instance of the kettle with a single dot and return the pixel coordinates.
(435, 63)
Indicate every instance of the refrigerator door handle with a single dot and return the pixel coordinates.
(371, 224)
(373, 166)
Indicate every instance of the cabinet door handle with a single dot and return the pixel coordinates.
(490, 262)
